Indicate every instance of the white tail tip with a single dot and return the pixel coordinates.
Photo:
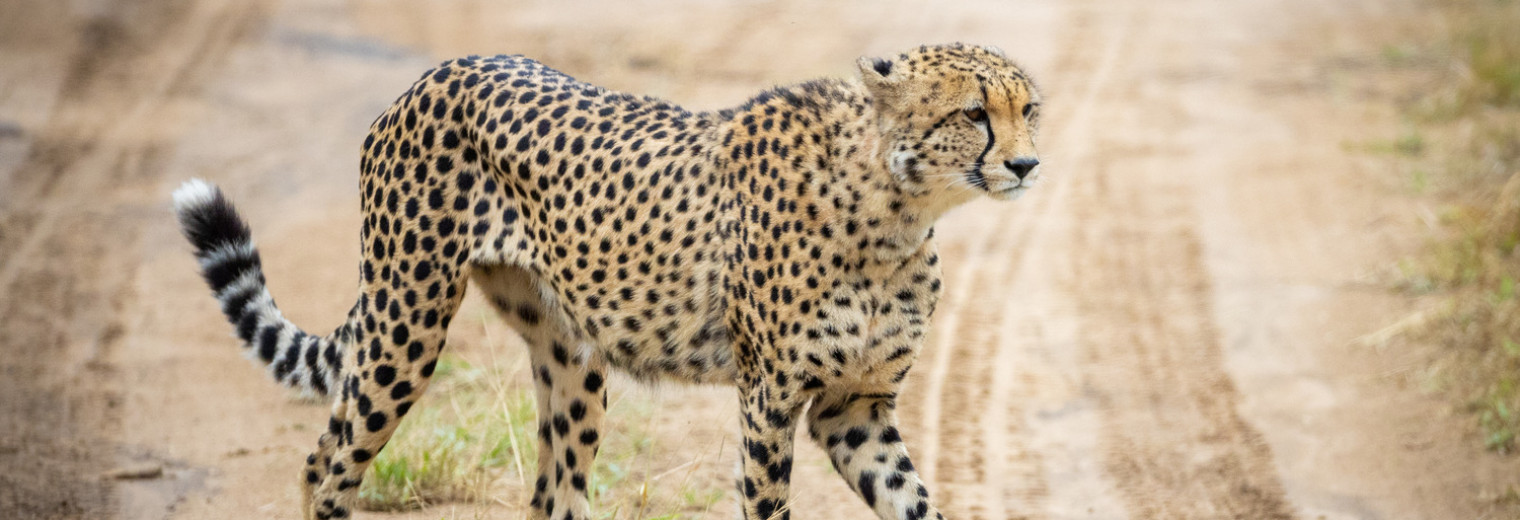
(193, 193)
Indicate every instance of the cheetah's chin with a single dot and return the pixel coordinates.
(1009, 194)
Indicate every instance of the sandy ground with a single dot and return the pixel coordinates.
(1168, 328)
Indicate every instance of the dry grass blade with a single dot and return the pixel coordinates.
(1474, 118)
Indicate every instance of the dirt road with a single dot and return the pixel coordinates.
(1167, 328)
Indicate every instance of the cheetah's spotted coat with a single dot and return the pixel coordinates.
(784, 247)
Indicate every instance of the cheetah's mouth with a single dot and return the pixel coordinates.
(1009, 193)
(1003, 187)
(999, 187)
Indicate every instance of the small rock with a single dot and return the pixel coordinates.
(10, 129)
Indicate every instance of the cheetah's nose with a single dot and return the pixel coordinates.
(1021, 166)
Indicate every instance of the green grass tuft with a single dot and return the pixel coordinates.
(470, 431)
(1475, 120)
(472, 438)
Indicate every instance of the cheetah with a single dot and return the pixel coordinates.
(784, 247)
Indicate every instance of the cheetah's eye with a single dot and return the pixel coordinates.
(976, 115)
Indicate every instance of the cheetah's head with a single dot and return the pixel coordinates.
(957, 121)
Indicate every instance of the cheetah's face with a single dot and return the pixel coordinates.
(957, 121)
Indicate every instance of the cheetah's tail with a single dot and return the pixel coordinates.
(230, 264)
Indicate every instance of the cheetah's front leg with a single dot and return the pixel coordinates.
(572, 398)
(769, 424)
(860, 433)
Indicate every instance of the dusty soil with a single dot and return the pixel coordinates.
(1171, 327)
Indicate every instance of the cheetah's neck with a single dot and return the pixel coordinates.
(859, 204)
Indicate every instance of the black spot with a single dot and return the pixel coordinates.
(781, 471)
(904, 464)
(868, 487)
(235, 305)
(758, 452)
(528, 314)
(855, 437)
(375, 421)
(246, 326)
(385, 374)
(224, 272)
(400, 334)
(765, 508)
(269, 341)
(401, 390)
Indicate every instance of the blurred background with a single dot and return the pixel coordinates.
(1270, 272)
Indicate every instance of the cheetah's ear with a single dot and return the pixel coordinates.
(880, 75)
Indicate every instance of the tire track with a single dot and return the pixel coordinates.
(976, 452)
(72, 230)
(118, 86)
(983, 465)
(1171, 438)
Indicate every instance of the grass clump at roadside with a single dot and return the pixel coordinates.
(472, 431)
(635, 478)
(1470, 128)
(473, 439)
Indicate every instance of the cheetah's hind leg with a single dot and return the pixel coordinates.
(385, 372)
(569, 382)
